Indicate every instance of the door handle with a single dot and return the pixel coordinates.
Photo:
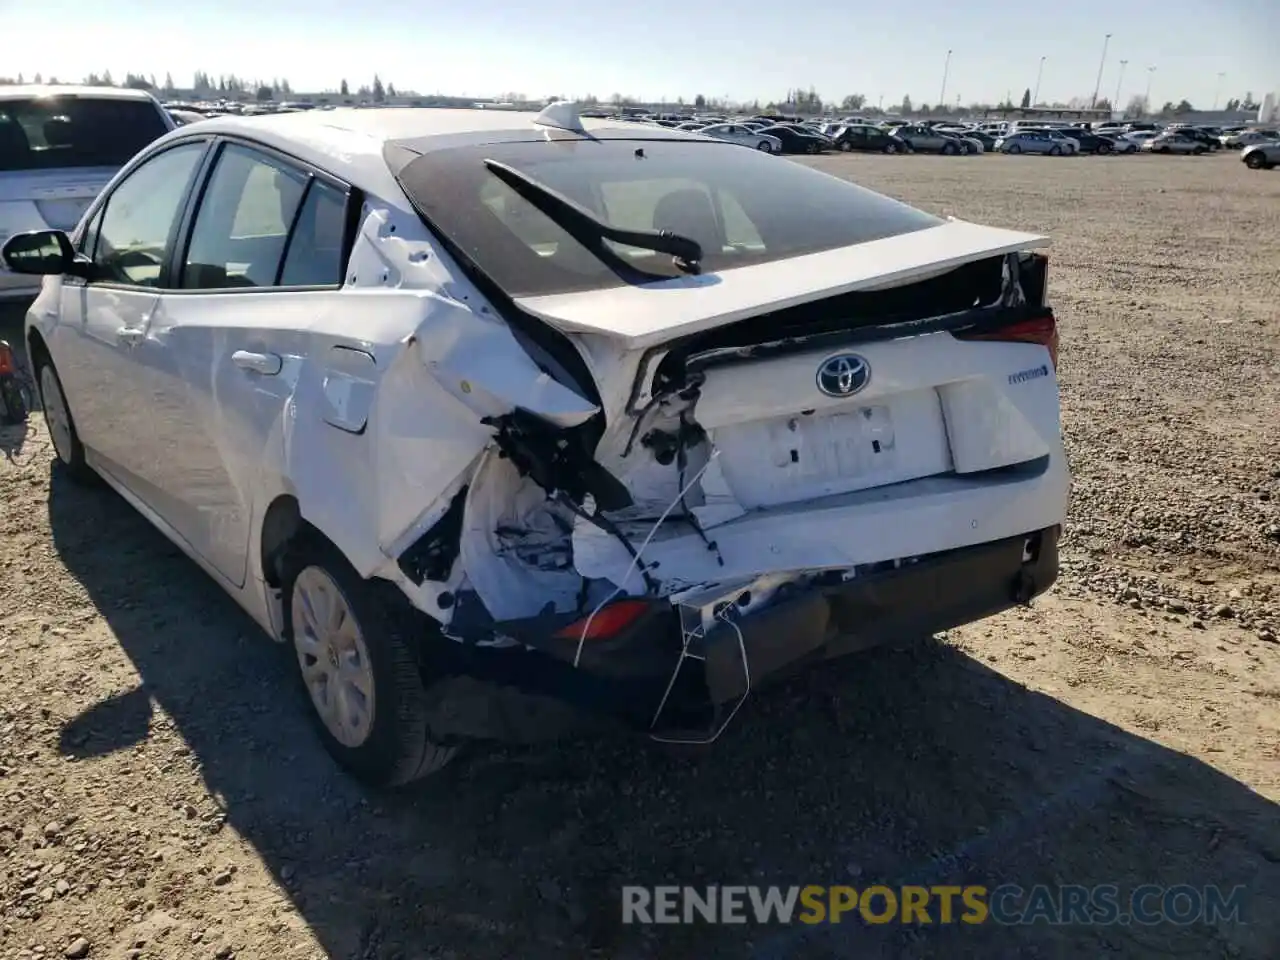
(130, 336)
(267, 364)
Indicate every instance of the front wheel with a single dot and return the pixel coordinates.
(1255, 161)
(359, 670)
(1013, 148)
(1103, 150)
(62, 426)
(890, 148)
(949, 149)
(1055, 151)
(845, 146)
(764, 146)
(1198, 151)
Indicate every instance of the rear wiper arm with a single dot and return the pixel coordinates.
(585, 226)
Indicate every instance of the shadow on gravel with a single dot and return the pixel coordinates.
(919, 766)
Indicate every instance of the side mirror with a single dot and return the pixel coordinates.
(42, 252)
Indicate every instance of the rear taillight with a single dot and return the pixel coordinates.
(7, 364)
(606, 622)
(1042, 330)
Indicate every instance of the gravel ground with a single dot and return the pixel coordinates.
(162, 796)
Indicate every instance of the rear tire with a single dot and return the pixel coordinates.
(1103, 149)
(845, 146)
(1013, 148)
(1055, 151)
(890, 148)
(62, 425)
(347, 636)
(1256, 161)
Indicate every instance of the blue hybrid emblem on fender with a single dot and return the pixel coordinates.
(843, 375)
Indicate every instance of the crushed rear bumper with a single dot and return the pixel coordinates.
(681, 671)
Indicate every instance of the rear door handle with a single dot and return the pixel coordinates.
(130, 336)
(267, 364)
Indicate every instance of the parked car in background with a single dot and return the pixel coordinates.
(1033, 141)
(737, 133)
(1174, 141)
(1136, 138)
(1261, 156)
(984, 137)
(1065, 138)
(59, 146)
(924, 139)
(1244, 138)
(541, 464)
(1210, 141)
(1089, 142)
(183, 117)
(968, 145)
(863, 138)
(794, 140)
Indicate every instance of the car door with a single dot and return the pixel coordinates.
(104, 317)
(262, 260)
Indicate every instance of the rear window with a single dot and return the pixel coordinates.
(743, 207)
(52, 133)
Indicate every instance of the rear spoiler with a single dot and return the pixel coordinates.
(641, 316)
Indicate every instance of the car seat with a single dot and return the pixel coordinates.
(691, 214)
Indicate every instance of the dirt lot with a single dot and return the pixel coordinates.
(162, 796)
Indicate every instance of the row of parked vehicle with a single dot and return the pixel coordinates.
(793, 135)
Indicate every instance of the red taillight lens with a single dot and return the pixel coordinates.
(1041, 330)
(6, 359)
(607, 622)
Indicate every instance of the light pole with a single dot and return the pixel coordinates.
(1218, 91)
(1105, 40)
(1035, 97)
(946, 67)
(1115, 104)
(1146, 98)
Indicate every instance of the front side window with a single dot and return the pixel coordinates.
(743, 207)
(243, 222)
(136, 230)
(55, 133)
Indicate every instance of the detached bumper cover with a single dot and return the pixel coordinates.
(934, 594)
(630, 676)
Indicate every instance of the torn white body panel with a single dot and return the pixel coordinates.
(836, 533)
(516, 545)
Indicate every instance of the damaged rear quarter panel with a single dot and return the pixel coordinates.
(441, 364)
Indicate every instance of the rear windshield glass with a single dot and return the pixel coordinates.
(743, 206)
(51, 133)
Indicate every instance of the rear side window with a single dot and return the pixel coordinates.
(743, 207)
(314, 257)
(54, 133)
(264, 223)
(242, 226)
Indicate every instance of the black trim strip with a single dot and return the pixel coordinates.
(291, 232)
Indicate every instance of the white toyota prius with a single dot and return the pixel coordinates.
(537, 409)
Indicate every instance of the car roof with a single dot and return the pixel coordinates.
(27, 91)
(349, 142)
(32, 90)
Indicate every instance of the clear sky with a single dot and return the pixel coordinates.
(744, 49)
